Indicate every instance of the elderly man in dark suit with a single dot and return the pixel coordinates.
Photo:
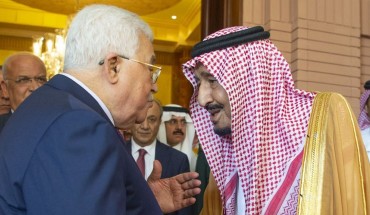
(60, 152)
(145, 148)
(23, 73)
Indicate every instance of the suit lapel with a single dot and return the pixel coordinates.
(162, 156)
(128, 147)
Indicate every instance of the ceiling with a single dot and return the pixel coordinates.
(33, 18)
(67, 7)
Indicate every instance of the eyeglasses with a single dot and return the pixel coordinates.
(174, 122)
(155, 71)
(24, 80)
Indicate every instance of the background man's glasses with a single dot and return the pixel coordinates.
(155, 71)
(24, 80)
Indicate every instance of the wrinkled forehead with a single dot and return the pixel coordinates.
(209, 64)
(200, 71)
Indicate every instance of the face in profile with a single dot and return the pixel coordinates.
(175, 130)
(213, 97)
(24, 74)
(146, 132)
(136, 87)
(4, 101)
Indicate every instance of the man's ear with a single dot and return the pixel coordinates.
(111, 67)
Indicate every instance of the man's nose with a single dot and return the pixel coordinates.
(204, 95)
(144, 125)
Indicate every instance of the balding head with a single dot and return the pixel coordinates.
(18, 63)
(23, 73)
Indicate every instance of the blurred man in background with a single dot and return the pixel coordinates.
(145, 148)
(177, 131)
(23, 73)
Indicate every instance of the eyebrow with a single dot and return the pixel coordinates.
(26, 76)
(205, 74)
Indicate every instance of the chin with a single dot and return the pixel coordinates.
(222, 131)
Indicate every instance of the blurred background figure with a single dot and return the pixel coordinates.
(364, 118)
(23, 73)
(4, 101)
(145, 148)
(127, 134)
(177, 130)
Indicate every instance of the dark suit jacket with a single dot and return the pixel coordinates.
(173, 163)
(3, 119)
(60, 154)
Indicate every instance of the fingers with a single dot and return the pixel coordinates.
(189, 193)
(157, 171)
(191, 186)
(189, 183)
(187, 202)
(181, 178)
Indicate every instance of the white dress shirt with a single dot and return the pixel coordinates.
(149, 156)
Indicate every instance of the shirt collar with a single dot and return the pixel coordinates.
(100, 102)
(150, 149)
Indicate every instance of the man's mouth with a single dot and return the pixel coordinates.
(215, 117)
(214, 110)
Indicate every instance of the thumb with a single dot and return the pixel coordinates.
(157, 171)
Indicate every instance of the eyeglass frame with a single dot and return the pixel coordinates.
(20, 80)
(153, 74)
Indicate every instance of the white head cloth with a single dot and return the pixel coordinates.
(269, 117)
(186, 145)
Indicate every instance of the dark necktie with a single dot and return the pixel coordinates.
(141, 161)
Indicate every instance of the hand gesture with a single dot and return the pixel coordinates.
(176, 192)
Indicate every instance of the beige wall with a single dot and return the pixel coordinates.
(164, 84)
(326, 42)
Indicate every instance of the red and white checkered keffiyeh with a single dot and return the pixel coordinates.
(269, 117)
(363, 119)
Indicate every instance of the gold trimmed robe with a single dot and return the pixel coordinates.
(335, 177)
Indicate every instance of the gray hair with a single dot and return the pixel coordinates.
(99, 29)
